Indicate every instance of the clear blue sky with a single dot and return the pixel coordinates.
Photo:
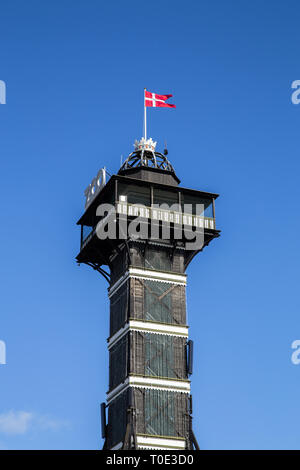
(75, 73)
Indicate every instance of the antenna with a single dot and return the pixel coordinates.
(165, 149)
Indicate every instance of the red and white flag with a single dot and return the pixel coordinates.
(157, 101)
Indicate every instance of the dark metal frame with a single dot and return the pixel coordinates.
(98, 268)
(146, 158)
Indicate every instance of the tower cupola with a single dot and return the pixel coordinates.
(147, 164)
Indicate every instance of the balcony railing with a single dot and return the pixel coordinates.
(164, 215)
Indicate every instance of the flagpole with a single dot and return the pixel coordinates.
(145, 116)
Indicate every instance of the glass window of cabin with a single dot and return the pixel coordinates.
(192, 200)
(162, 196)
(134, 194)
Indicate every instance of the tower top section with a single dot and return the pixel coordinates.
(147, 164)
(145, 144)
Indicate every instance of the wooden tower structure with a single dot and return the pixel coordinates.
(141, 225)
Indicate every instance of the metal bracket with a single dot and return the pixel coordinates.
(95, 266)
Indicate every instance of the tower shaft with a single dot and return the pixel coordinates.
(148, 348)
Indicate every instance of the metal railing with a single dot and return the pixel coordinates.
(176, 217)
(164, 215)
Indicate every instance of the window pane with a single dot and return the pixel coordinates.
(161, 196)
(135, 194)
(188, 199)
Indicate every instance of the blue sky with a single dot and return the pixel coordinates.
(75, 73)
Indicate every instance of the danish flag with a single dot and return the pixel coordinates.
(157, 101)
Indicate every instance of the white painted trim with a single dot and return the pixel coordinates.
(152, 447)
(113, 289)
(159, 328)
(153, 382)
(155, 443)
(169, 385)
(160, 443)
(164, 276)
(118, 335)
(149, 327)
(149, 274)
(117, 391)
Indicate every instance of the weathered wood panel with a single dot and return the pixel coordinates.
(118, 265)
(136, 299)
(157, 301)
(156, 257)
(119, 308)
(118, 362)
(161, 413)
(117, 419)
(157, 355)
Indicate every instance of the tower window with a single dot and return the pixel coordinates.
(161, 196)
(190, 200)
(135, 194)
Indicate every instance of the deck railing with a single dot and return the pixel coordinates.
(164, 215)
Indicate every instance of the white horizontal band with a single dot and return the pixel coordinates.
(113, 289)
(148, 327)
(159, 328)
(158, 275)
(155, 443)
(117, 391)
(170, 385)
(118, 335)
(151, 442)
(153, 382)
(150, 275)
